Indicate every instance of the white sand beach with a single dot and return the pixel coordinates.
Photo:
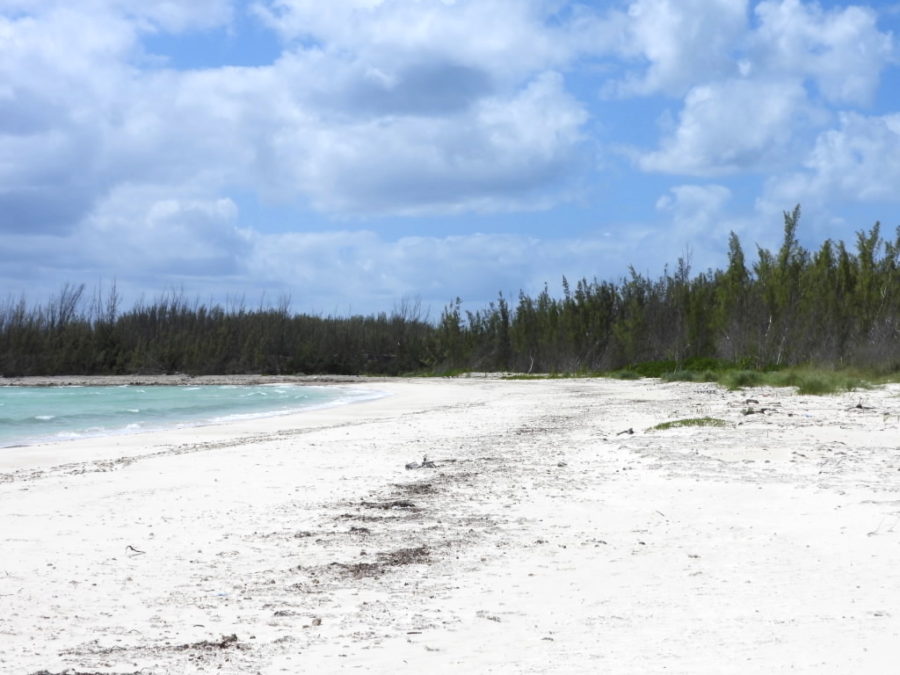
(545, 538)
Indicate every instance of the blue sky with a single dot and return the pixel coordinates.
(353, 154)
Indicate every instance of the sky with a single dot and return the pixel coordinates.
(356, 155)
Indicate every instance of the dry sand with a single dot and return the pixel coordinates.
(543, 540)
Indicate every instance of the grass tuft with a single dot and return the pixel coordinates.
(624, 375)
(738, 379)
(735, 376)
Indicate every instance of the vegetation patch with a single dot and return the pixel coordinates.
(691, 376)
(814, 382)
(624, 375)
(734, 376)
(788, 307)
(690, 422)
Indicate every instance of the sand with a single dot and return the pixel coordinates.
(545, 538)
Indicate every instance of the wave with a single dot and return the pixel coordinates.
(107, 411)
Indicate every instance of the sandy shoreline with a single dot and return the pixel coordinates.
(544, 539)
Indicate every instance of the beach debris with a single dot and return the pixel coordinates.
(481, 614)
(224, 643)
(406, 556)
(131, 550)
(628, 431)
(750, 401)
(421, 488)
(424, 464)
(386, 560)
(393, 504)
(753, 411)
(69, 671)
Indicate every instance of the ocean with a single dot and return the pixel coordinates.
(30, 415)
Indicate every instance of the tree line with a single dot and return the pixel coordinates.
(831, 307)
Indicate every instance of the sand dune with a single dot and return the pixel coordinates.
(544, 539)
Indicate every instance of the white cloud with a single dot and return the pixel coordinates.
(684, 42)
(737, 125)
(750, 107)
(114, 164)
(178, 15)
(699, 225)
(341, 267)
(152, 233)
(195, 246)
(505, 37)
(166, 15)
(505, 152)
(694, 206)
(858, 161)
(842, 49)
(431, 123)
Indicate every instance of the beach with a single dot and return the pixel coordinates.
(467, 525)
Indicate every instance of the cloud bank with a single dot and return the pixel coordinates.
(116, 163)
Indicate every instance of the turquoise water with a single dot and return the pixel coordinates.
(38, 414)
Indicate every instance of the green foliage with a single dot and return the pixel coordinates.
(690, 422)
(174, 335)
(692, 376)
(806, 381)
(738, 379)
(829, 310)
(549, 376)
(624, 375)
(816, 382)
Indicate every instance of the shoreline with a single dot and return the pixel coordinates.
(350, 396)
(180, 379)
(545, 538)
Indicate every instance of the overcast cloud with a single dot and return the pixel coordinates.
(352, 154)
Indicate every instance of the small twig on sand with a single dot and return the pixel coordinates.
(426, 464)
(628, 431)
(133, 551)
(754, 411)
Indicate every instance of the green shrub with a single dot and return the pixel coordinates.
(738, 379)
(681, 376)
(624, 375)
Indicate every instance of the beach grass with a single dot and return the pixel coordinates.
(806, 380)
(732, 376)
